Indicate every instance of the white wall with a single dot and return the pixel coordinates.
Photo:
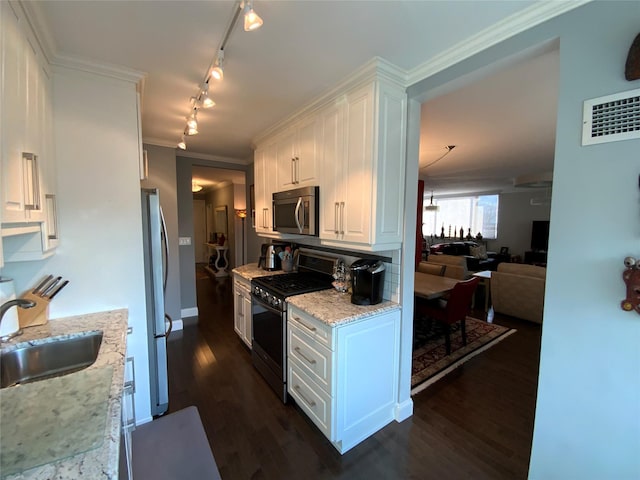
(515, 214)
(586, 425)
(100, 253)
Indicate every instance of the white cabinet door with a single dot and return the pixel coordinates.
(265, 177)
(285, 172)
(332, 159)
(24, 89)
(307, 153)
(242, 309)
(297, 155)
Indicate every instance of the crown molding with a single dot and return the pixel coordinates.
(158, 142)
(517, 23)
(214, 158)
(104, 69)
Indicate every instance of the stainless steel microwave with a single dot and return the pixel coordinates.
(297, 211)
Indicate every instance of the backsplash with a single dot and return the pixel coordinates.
(391, 259)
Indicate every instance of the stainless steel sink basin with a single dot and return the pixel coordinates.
(46, 360)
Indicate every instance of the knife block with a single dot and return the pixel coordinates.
(37, 315)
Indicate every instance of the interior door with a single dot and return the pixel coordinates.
(199, 231)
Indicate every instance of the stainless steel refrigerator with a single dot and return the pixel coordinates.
(156, 253)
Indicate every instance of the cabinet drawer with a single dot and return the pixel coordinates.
(312, 357)
(310, 398)
(317, 330)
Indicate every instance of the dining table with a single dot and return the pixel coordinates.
(432, 286)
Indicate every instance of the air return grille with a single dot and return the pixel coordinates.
(611, 118)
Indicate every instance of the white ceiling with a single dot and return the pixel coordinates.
(501, 127)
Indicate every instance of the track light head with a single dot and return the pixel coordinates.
(217, 72)
(252, 20)
(182, 145)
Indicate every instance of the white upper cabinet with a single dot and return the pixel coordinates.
(27, 168)
(297, 155)
(352, 144)
(363, 154)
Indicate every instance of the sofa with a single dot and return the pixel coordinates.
(518, 290)
(455, 266)
(476, 256)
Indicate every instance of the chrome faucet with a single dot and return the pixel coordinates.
(4, 308)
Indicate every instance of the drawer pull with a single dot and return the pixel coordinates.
(299, 352)
(299, 320)
(311, 403)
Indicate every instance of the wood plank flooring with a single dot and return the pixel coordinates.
(475, 423)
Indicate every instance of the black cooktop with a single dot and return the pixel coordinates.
(287, 284)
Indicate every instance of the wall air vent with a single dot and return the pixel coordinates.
(611, 118)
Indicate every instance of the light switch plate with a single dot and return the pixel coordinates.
(184, 241)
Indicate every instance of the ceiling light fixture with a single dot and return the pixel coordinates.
(431, 207)
(195, 187)
(448, 149)
(182, 145)
(252, 20)
(217, 72)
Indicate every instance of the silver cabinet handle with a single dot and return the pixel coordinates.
(52, 216)
(299, 352)
(293, 170)
(335, 218)
(299, 320)
(296, 162)
(31, 181)
(341, 218)
(311, 403)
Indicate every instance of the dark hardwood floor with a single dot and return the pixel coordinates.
(475, 423)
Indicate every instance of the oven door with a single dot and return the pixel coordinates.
(269, 329)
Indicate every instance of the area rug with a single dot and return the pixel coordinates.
(430, 361)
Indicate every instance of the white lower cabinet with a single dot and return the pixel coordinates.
(344, 377)
(242, 308)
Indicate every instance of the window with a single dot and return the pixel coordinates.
(478, 213)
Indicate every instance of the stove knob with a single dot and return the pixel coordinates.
(277, 302)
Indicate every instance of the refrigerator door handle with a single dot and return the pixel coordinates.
(165, 251)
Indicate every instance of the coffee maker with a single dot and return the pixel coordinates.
(367, 281)
(269, 258)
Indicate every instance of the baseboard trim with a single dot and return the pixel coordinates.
(403, 410)
(177, 325)
(189, 312)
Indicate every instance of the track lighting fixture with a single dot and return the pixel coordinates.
(195, 187)
(217, 73)
(182, 145)
(252, 20)
(204, 100)
(192, 121)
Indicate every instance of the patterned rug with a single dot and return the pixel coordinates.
(430, 361)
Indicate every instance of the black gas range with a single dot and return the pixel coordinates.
(269, 314)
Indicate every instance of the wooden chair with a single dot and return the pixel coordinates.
(455, 309)
(431, 268)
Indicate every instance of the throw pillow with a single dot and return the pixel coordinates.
(479, 252)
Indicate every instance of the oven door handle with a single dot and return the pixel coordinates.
(259, 301)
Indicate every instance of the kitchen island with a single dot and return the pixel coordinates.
(100, 384)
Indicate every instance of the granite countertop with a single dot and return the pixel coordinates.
(335, 308)
(251, 270)
(104, 379)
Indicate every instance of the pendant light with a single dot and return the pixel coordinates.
(431, 207)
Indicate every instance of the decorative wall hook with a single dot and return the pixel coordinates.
(631, 277)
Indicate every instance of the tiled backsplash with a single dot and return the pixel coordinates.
(391, 259)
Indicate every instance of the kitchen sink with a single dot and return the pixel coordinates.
(47, 360)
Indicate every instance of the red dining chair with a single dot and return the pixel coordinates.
(454, 309)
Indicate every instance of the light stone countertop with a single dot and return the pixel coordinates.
(251, 270)
(102, 461)
(335, 308)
